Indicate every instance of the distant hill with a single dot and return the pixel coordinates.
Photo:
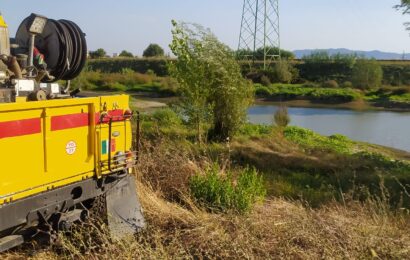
(379, 55)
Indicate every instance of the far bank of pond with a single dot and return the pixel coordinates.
(387, 128)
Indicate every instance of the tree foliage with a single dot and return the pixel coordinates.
(99, 53)
(259, 53)
(367, 74)
(212, 87)
(127, 54)
(282, 72)
(153, 50)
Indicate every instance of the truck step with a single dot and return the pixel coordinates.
(9, 242)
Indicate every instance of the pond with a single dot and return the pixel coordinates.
(390, 129)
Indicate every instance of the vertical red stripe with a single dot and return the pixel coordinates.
(69, 121)
(20, 127)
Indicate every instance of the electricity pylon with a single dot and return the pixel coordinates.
(260, 30)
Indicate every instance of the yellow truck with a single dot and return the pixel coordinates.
(61, 156)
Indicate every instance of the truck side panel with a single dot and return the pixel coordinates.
(50, 144)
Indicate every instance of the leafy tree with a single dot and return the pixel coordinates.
(127, 54)
(153, 50)
(212, 87)
(99, 53)
(404, 6)
(367, 74)
(259, 53)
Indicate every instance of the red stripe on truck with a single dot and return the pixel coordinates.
(20, 127)
(69, 121)
(80, 120)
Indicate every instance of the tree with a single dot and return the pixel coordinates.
(127, 54)
(99, 53)
(259, 53)
(405, 8)
(213, 90)
(153, 50)
(367, 74)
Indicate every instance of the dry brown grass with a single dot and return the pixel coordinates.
(276, 229)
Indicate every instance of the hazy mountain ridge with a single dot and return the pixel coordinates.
(379, 55)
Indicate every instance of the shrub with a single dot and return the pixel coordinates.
(282, 72)
(265, 81)
(262, 91)
(347, 84)
(367, 74)
(223, 192)
(330, 84)
(166, 117)
(281, 117)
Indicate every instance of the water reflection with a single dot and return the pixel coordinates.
(384, 128)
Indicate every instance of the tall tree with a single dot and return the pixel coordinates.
(213, 89)
(127, 54)
(99, 53)
(153, 50)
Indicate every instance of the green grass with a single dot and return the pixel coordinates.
(223, 191)
(311, 140)
(126, 81)
(298, 91)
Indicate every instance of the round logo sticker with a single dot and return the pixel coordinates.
(71, 147)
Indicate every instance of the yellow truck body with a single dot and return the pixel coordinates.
(51, 144)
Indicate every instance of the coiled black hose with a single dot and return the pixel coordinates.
(63, 44)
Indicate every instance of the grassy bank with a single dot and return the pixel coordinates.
(388, 97)
(151, 85)
(127, 81)
(327, 197)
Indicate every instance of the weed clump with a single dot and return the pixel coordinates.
(223, 192)
(281, 117)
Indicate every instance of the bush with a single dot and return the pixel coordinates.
(281, 117)
(223, 192)
(265, 81)
(347, 84)
(367, 74)
(262, 91)
(166, 118)
(330, 84)
(282, 72)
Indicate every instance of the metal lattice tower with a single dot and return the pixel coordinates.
(260, 29)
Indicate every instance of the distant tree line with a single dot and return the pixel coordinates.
(153, 50)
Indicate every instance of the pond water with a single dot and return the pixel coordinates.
(378, 127)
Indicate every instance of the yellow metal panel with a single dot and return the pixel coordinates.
(38, 162)
(2, 22)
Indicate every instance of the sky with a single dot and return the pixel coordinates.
(305, 24)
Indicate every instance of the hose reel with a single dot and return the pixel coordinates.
(62, 43)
